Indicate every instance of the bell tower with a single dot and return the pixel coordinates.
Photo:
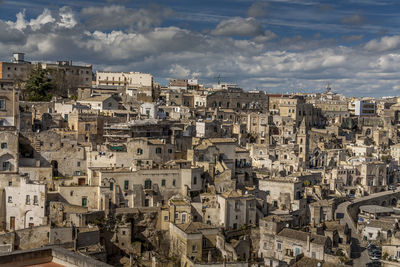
(303, 142)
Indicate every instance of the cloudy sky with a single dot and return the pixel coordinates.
(276, 45)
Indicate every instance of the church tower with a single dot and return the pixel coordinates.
(303, 142)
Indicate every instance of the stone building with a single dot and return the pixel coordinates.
(238, 99)
(25, 205)
(9, 150)
(9, 107)
(193, 242)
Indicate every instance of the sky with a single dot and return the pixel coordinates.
(276, 45)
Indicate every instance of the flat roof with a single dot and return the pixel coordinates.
(375, 209)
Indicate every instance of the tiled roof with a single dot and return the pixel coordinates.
(302, 236)
(194, 227)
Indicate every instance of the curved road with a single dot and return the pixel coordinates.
(363, 259)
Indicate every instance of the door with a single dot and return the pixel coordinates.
(12, 223)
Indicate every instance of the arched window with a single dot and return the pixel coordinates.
(139, 151)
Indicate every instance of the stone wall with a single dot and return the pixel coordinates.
(32, 237)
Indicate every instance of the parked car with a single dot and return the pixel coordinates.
(392, 187)
(375, 258)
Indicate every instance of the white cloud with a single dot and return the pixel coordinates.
(238, 27)
(67, 18)
(258, 9)
(386, 43)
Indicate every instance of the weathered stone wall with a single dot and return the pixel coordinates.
(88, 238)
(32, 237)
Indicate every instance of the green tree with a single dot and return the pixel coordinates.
(39, 86)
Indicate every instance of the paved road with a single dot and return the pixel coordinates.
(360, 256)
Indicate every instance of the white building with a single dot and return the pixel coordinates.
(132, 79)
(149, 110)
(102, 102)
(25, 205)
(362, 108)
(236, 209)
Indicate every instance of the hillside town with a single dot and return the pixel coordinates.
(104, 168)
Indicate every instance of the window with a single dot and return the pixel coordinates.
(87, 127)
(2, 104)
(35, 200)
(165, 218)
(71, 193)
(139, 151)
(183, 217)
(313, 255)
(111, 186)
(3, 145)
(6, 166)
(147, 184)
(173, 182)
(84, 201)
(158, 150)
(279, 246)
(194, 249)
(146, 202)
(78, 164)
(123, 233)
(9, 199)
(169, 151)
(163, 182)
(176, 215)
(265, 245)
(297, 251)
(195, 180)
(28, 199)
(126, 184)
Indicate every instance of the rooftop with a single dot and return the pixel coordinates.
(96, 98)
(375, 209)
(194, 227)
(302, 236)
